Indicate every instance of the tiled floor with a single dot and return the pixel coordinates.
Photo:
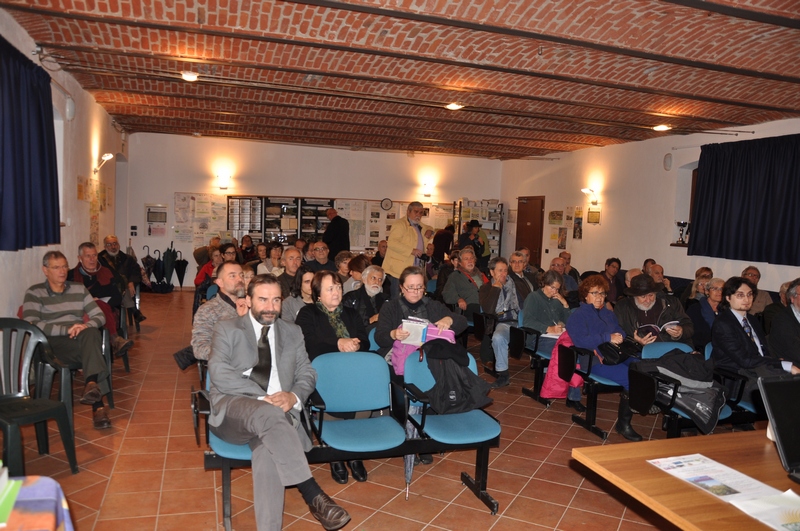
(146, 472)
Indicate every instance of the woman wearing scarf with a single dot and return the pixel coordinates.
(330, 327)
(499, 298)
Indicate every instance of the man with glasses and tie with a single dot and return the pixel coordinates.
(260, 376)
(739, 342)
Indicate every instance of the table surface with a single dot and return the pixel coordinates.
(40, 506)
(683, 504)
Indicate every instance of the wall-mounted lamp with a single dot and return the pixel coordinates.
(223, 179)
(105, 158)
(590, 194)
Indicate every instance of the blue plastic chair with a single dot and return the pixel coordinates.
(350, 382)
(659, 348)
(373, 345)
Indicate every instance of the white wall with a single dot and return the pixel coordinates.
(160, 165)
(638, 201)
(84, 139)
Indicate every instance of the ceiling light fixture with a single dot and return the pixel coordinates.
(590, 194)
(189, 76)
(455, 106)
(662, 127)
(105, 158)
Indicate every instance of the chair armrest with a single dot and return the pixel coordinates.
(315, 400)
(737, 383)
(672, 382)
(416, 394)
(585, 372)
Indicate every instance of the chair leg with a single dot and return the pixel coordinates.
(66, 397)
(67, 439)
(109, 362)
(125, 362)
(591, 412)
(539, 369)
(226, 494)
(13, 454)
(42, 439)
(478, 485)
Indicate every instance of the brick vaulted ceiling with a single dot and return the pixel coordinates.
(536, 77)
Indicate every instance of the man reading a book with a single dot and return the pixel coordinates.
(648, 314)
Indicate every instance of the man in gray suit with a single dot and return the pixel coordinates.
(260, 376)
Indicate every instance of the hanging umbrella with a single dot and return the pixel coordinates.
(180, 267)
(408, 460)
(170, 255)
(158, 267)
(148, 262)
(130, 252)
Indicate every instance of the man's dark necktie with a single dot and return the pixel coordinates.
(260, 373)
(747, 329)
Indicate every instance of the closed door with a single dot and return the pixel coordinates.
(530, 223)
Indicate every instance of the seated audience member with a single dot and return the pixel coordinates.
(629, 274)
(248, 273)
(445, 271)
(208, 270)
(356, 267)
(328, 326)
(704, 312)
(368, 299)
(412, 303)
(648, 306)
(547, 311)
(321, 261)
(302, 245)
(463, 285)
(104, 287)
(228, 304)
(738, 340)
(292, 260)
(381, 254)
(248, 250)
(342, 263)
(262, 252)
(529, 268)
(784, 338)
(229, 253)
(646, 265)
(273, 264)
(202, 255)
(299, 294)
(657, 272)
(127, 270)
(499, 298)
(616, 285)
(569, 270)
(56, 307)
(525, 283)
(762, 298)
(470, 238)
(559, 265)
(696, 290)
(776, 307)
(591, 325)
(264, 410)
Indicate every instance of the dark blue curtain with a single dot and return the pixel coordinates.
(746, 201)
(29, 213)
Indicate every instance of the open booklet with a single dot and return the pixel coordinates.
(417, 329)
(762, 502)
(643, 330)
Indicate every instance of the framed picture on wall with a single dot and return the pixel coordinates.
(593, 216)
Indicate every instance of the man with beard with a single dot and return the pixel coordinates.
(228, 304)
(292, 260)
(128, 271)
(260, 375)
(648, 307)
(368, 298)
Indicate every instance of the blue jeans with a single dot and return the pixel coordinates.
(500, 338)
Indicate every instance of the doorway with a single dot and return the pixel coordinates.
(530, 224)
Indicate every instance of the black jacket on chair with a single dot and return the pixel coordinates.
(319, 334)
(733, 349)
(784, 336)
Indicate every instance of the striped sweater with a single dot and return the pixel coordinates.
(54, 313)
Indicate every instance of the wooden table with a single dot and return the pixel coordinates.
(683, 504)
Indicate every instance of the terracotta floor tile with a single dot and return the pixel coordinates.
(127, 524)
(578, 519)
(130, 505)
(535, 511)
(187, 501)
(192, 521)
(548, 491)
(143, 481)
(464, 519)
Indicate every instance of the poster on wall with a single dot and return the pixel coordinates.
(562, 237)
(155, 217)
(552, 241)
(593, 216)
(569, 216)
(198, 217)
(555, 217)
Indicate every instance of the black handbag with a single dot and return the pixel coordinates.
(615, 354)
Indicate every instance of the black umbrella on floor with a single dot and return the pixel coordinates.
(170, 255)
(180, 267)
(148, 262)
(160, 285)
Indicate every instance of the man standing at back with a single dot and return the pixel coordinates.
(337, 233)
(57, 307)
(260, 375)
(405, 245)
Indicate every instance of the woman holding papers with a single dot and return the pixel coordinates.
(413, 303)
(593, 324)
(330, 327)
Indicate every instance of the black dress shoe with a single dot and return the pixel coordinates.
(426, 459)
(184, 358)
(100, 419)
(330, 515)
(91, 394)
(576, 405)
(339, 472)
(139, 316)
(358, 470)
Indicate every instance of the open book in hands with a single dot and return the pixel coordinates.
(643, 330)
(417, 329)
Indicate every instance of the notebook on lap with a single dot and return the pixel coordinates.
(781, 396)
